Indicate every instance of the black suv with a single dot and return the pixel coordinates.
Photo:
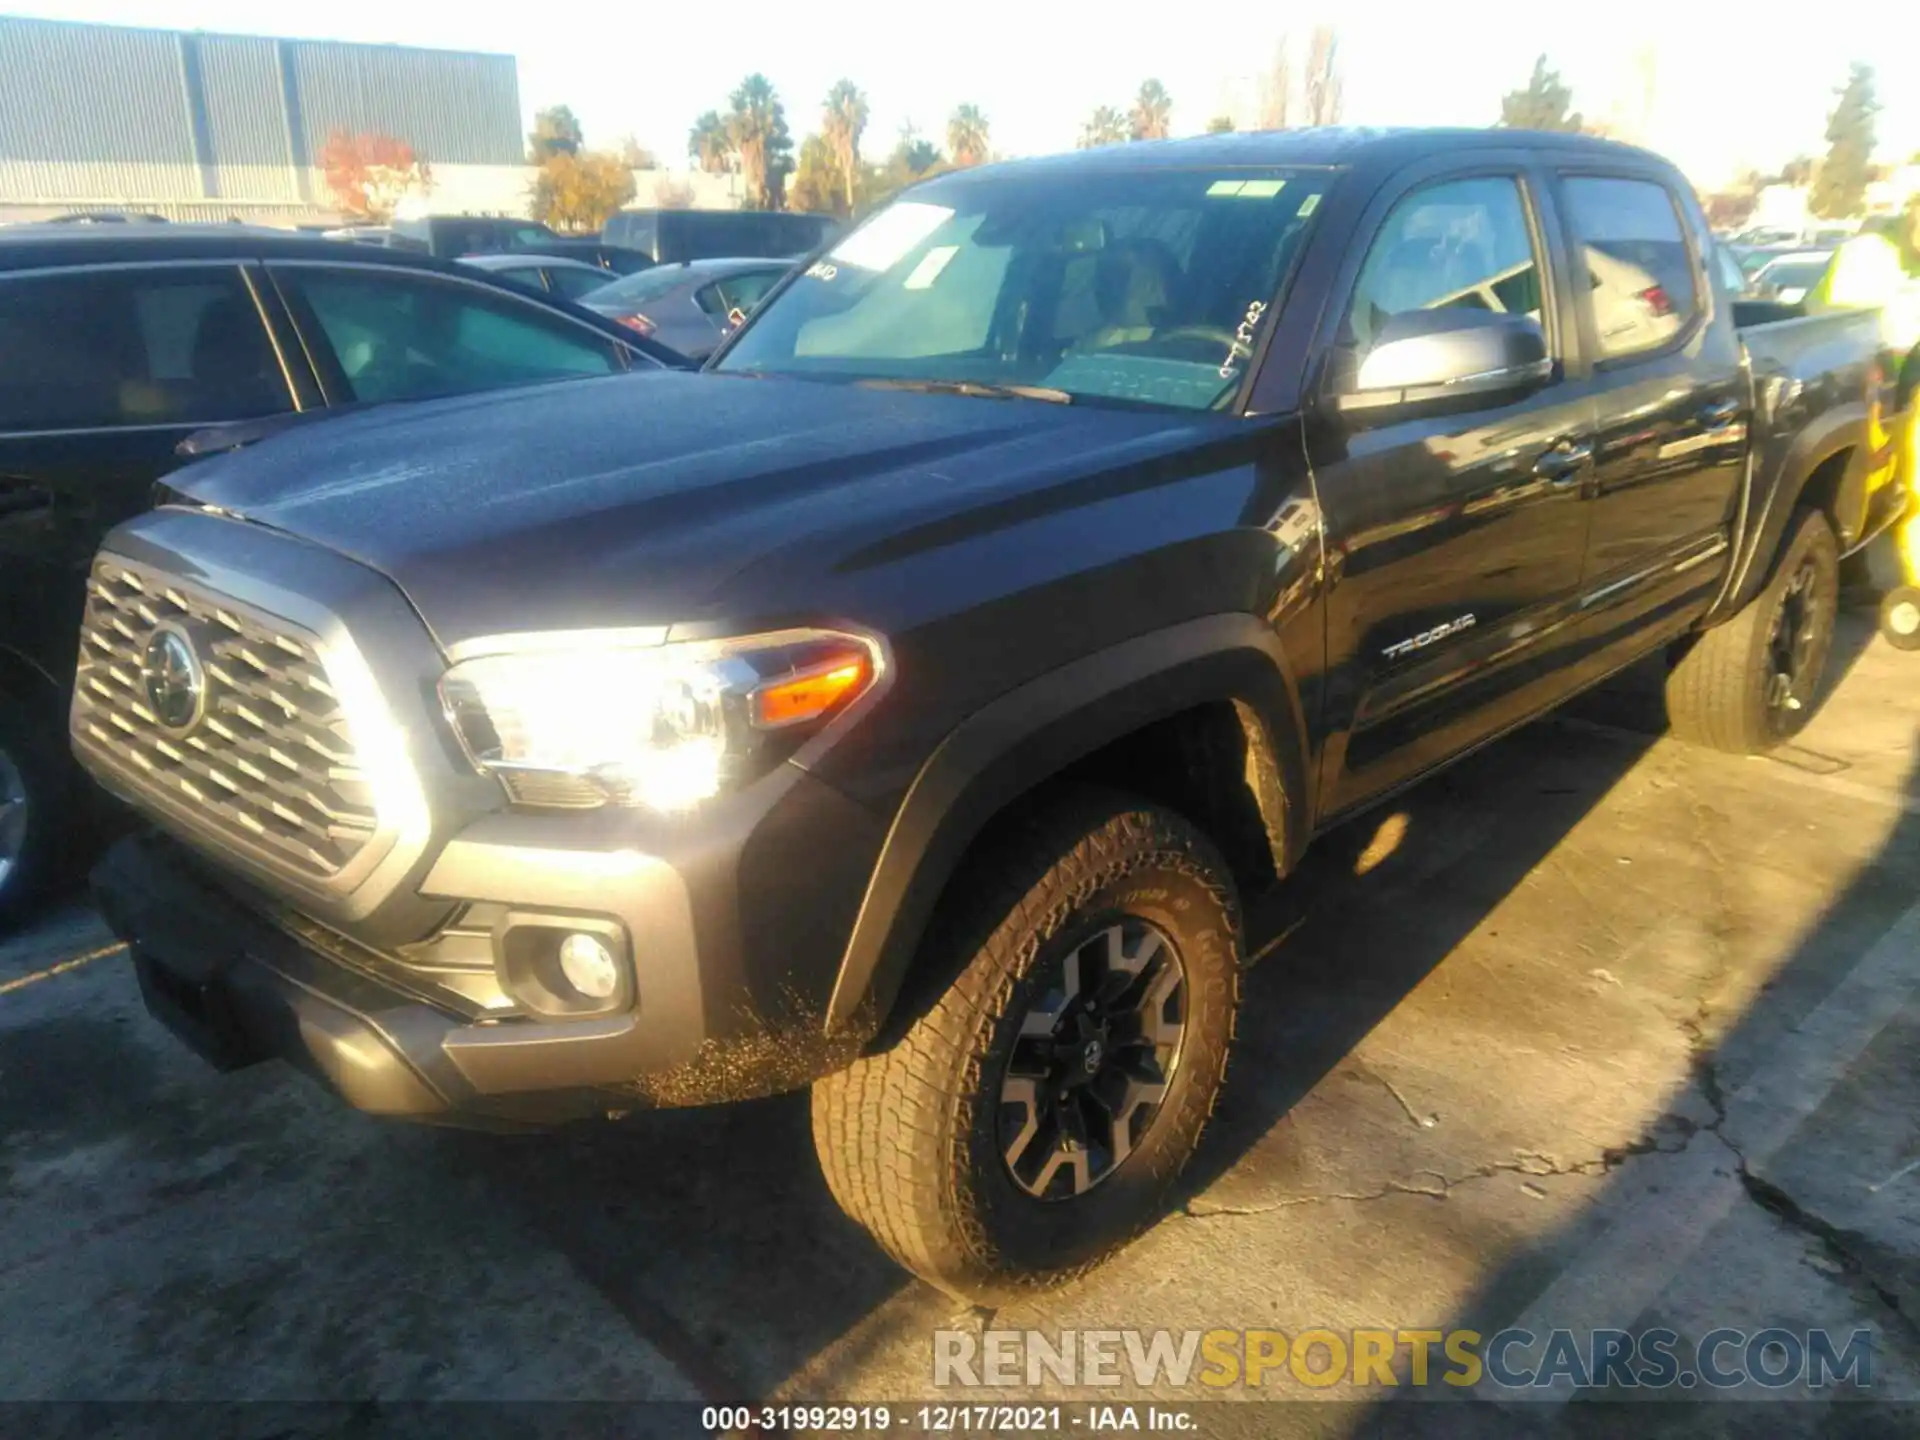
(119, 341)
(901, 705)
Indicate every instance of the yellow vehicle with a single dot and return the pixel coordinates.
(1867, 271)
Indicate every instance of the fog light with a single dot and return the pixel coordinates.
(589, 966)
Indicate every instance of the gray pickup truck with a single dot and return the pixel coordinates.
(901, 705)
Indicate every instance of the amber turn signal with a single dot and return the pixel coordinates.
(808, 694)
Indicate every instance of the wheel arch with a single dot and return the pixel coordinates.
(1817, 468)
(1061, 726)
(26, 682)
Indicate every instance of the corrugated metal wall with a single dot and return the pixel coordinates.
(453, 109)
(247, 154)
(90, 111)
(99, 113)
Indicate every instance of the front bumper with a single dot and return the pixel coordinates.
(239, 989)
(240, 979)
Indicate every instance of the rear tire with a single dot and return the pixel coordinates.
(1024, 1128)
(1900, 618)
(1752, 682)
(36, 790)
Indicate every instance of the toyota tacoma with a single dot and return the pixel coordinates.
(900, 706)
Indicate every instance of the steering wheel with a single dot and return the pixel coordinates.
(1217, 334)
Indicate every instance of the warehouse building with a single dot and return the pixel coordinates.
(199, 126)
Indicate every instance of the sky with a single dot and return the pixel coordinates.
(1728, 89)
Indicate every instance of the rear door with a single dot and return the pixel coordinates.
(1671, 445)
(103, 371)
(1454, 540)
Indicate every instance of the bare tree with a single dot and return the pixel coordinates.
(1323, 87)
(1276, 89)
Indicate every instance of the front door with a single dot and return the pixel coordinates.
(1454, 540)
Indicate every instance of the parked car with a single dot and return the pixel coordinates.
(670, 236)
(119, 341)
(690, 307)
(901, 705)
(107, 217)
(1789, 278)
(549, 274)
(591, 250)
(450, 237)
(361, 234)
(1755, 258)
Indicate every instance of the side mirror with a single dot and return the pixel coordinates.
(1447, 359)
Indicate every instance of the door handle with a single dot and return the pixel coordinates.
(1720, 416)
(1563, 466)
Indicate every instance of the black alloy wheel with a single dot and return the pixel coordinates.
(1093, 1060)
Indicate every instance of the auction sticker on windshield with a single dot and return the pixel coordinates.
(890, 236)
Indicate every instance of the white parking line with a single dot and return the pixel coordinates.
(74, 963)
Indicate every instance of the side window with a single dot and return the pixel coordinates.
(134, 347)
(1463, 243)
(527, 277)
(736, 292)
(1640, 271)
(575, 283)
(403, 337)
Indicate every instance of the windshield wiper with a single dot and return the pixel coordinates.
(980, 388)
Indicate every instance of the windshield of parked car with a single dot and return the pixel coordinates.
(1148, 287)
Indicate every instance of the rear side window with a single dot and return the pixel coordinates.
(1640, 271)
(134, 347)
(406, 337)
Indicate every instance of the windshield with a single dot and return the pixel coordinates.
(1149, 287)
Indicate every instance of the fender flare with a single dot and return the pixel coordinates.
(1029, 735)
(27, 683)
(1827, 435)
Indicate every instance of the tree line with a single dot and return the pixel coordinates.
(1837, 183)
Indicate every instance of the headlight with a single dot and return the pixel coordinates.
(595, 722)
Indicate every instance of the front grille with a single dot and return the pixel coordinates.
(270, 760)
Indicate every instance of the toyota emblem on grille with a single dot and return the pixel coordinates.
(174, 679)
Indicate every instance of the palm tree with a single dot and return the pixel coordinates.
(967, 135)
(1106, 126)
(752, 118)
(708, 144)
(842, 122)
(1152, 111)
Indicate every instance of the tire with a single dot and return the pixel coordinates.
(1753, 682)
(915, 1140)
(1900, 618)
(36, 786)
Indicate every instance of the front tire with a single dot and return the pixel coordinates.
(35, 791)
(1037, 1116)
(1752, 682)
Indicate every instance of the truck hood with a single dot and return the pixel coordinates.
(663, 498)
